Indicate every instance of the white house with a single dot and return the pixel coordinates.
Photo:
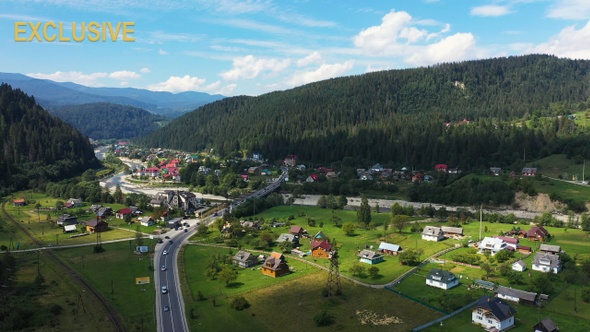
(431, 233)
(441, 279)
(491, 245)
(547, 263)
(493, 313)
(519, 266)
(511, 242)
(148, 221)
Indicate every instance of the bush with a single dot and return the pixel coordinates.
(239, 303)
(586, 295)
(323, 319)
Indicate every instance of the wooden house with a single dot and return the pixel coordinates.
(516, 295)
(389, 248)
(96, 225)
(545, 325)
(550, 249)
(297, 231)
(275, 265)
(19, 202)
(452, 231)
(538, 233)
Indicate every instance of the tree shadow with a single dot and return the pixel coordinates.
(235, 284)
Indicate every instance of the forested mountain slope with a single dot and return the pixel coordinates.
(399, 116)
(106, 120)
(37, 147)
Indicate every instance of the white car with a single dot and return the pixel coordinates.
(163, 268)
(165, 252)
(164, 289)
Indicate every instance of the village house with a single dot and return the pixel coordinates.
(456, 232)
(545, 325)
(244, 259)
(519, 266)
(546, 263)
(529, 171)
(441, 279)
(96, 226)
(389, 248)
(511, 242)
(70, 228)
(297, 231)
(370, 257)
(441, 168)
(321, 246)
(491, 245)
(19, 202)
(312, 178)
(525, 250)
(149, 221)
(74, 203)
(550, 249)
(538, 233)
(516, 295)
(493, 313)
(431, 233)
(123, 212)
(287, 237)
(66, 219)
(275, 265)
(290, 160)
(496, 170)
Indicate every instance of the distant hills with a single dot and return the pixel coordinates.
(37, 147)
(462, 114)
(106, 120)
(50, 94)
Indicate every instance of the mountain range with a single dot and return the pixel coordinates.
(50, 94)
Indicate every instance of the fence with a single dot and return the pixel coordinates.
(421, 327)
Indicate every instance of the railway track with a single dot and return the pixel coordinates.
(111, 312)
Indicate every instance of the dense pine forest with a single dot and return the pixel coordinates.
(106, 120)
(414, 117)
(37, 147)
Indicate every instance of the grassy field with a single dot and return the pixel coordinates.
(297, 295)
(558, 165)
(79, 312)
(565, 190)
(113, 274)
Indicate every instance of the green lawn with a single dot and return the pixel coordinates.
(557, 164)
(297, 295)
(113, 273)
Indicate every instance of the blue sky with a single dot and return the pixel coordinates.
(257, 46)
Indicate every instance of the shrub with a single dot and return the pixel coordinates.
(239, 303)
(323, 319)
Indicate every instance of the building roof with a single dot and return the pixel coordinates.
(368, 254)
(70, 228)
(243, 256)
(550, 248)
(286, 237)
(508, 239)
(500, 309)
(431, 230)
(441, 275)
(125, 211)
(546, 259)
(94, 222)
(520, 262)
(537, 230)
(296, 229)
(389, 246)
(508, 291)
(547, 324)
(492, 243)
(326, 245)
(455, 230)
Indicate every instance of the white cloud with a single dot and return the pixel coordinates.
(241, 6)
(457, 47)
(325, 71)
(159, 36)
(490, 10)
(305, 21)
(382, 39)
(569, 43)
(570, 9)
(227, 90)
(124, 75)
(162, 52)
(179, 84)
(145, 70)
(314, 57)
(250, 67)
(71, 76)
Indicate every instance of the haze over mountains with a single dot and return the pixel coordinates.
(50, 94)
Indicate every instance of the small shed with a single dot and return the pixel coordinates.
(370, 257)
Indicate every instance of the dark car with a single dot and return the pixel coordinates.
(160, 240)
(170, 242)
(167, 237)
(166, 307)
(185, 230)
